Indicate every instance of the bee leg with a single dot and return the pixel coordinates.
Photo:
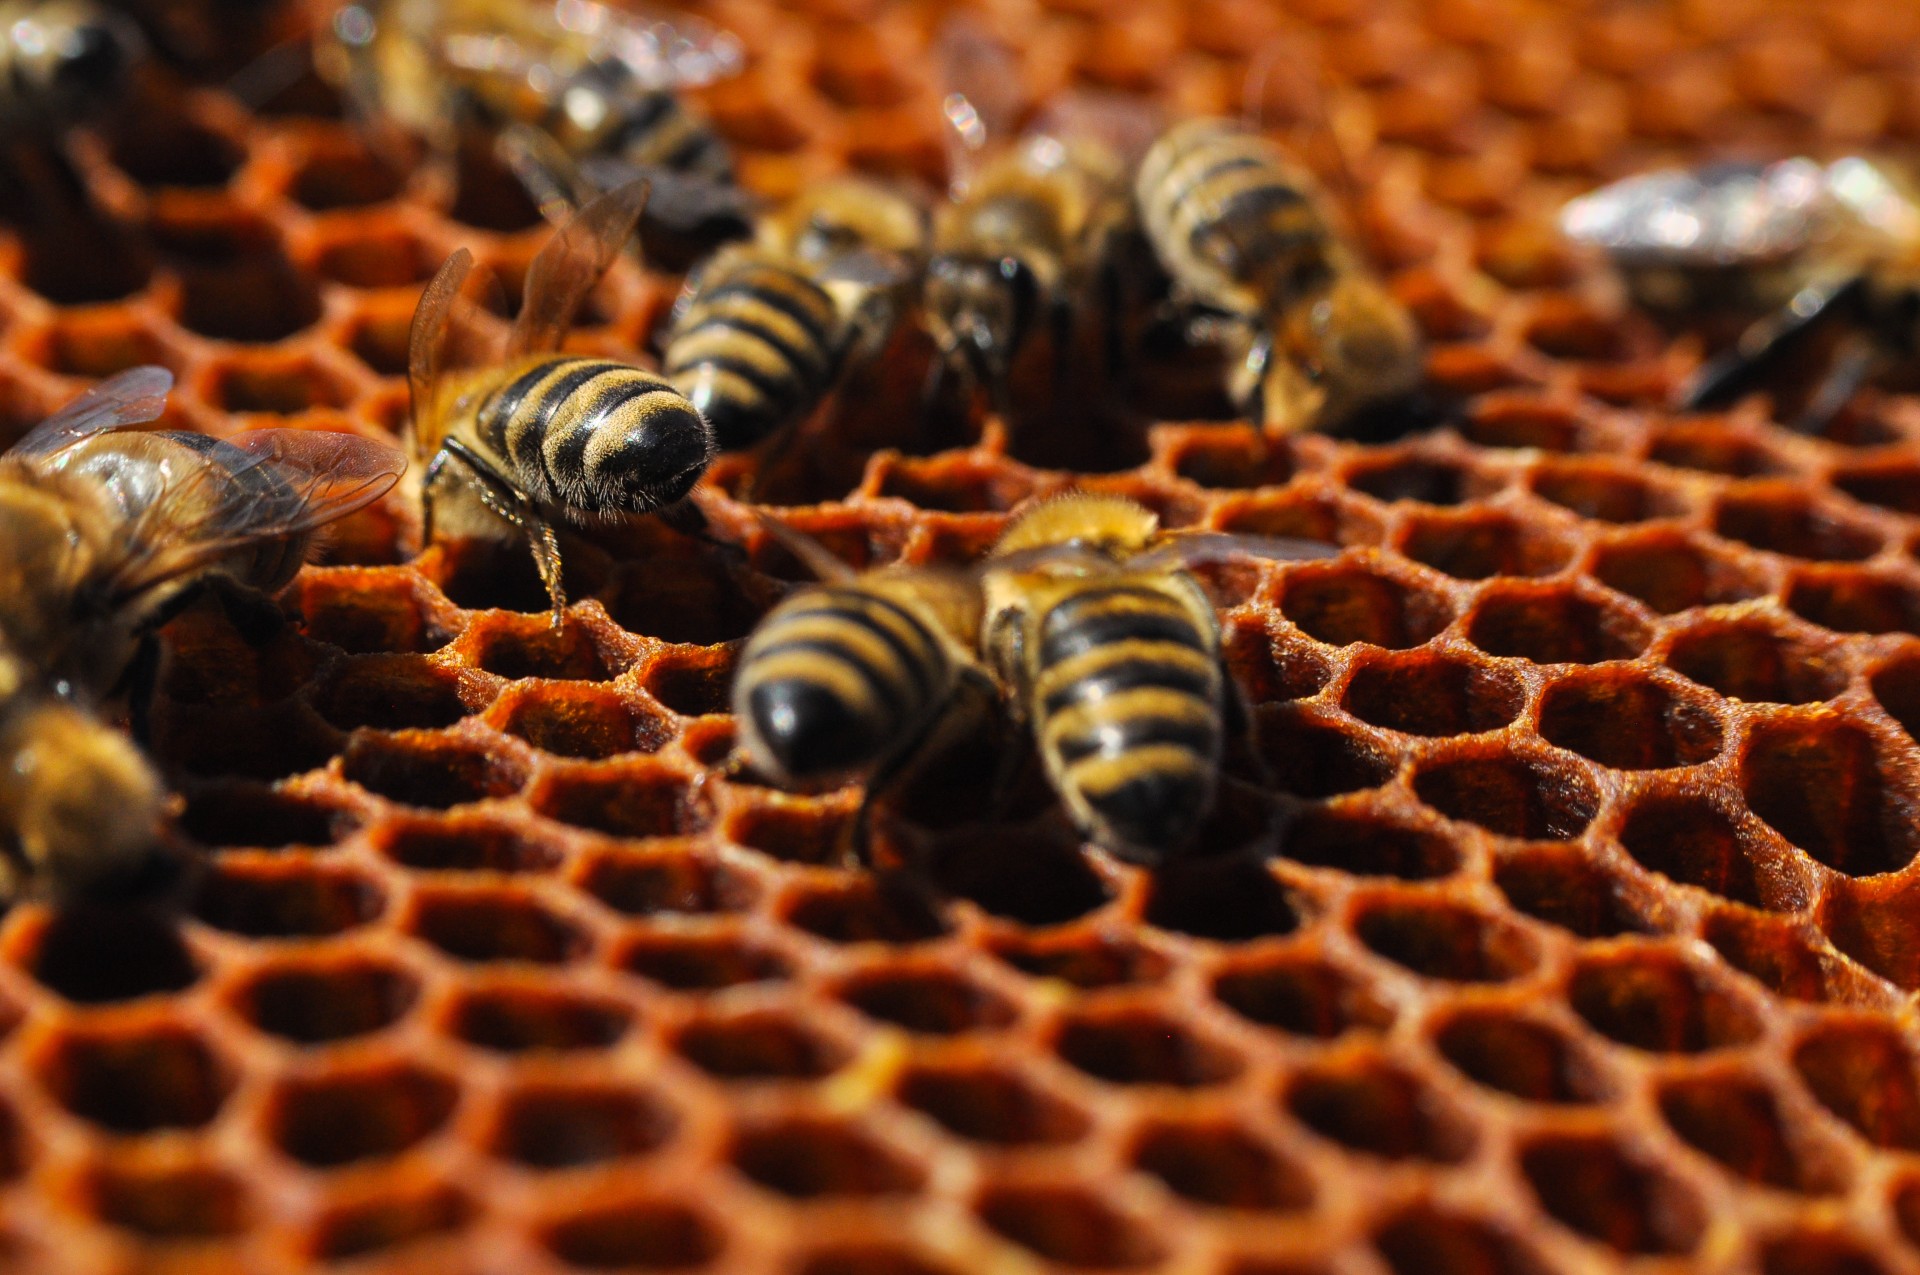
(1722, 380)
(506, 504)
(1852, 364)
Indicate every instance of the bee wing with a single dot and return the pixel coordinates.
(132, 397)
(426, 352)
(980, 83)
(1720, 215)
(813, 555)
(1194, 548)
(1039, 556)
(659, 50)
(872, 267)
(1125, 125)
(1291, 72)
(571, 263)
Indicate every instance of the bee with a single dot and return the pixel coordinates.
(762, 331)
(586, 96)
(60, 60)
(539, 435)
(106, 533)
(1110, 651)
(859, 677)
(1252, 245)
(1025, 244)
(1824, 247)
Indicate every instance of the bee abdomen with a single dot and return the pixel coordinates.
(595, 435)
(754, 348)
(659, 131)
(834, 680)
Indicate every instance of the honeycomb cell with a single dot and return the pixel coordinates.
(1831, 789)
(345, 1116)
(1443, 940)
(1603, 491)
(1629, 721)
(136, 1081)
(1567, 889)
(277, 386)
(391, 692)
(1377, 1108)
(795, 830)
(1756, 662)
(1424, 1240)
(365, 612)
(1711, 448)
(1891, 485)
(434, 772)
(516, 1018)
(933, 1002)
(1519, 421)
(1416, 478)
(1551, 625)
(552, 1125)
(371, 253)
(1424, 693)
(640, 883)
(867, 911)
(464, 843)
(487, 924)
(517, 647)
(1368, 846)
(581, 722)
(1219, 1166)
(164, 1202)
(1593, 1187)
(1537, 800)
(1069, 1226)
(1127, 1047)
(813, 1158)
(230, 814)
(1791, 525)
(623, 800)
(1343, 604)
(1854, 601)
(339, 173)
(1738, 1122)
(1896, 684)
(1669, 572)
(100, 343)
(1476, 544)
(702, 962)
(403, 1213)
(1228, 899)
(650, 1234)
(692, 684)
(1520, 1056)
(1309, 758)
(285, 899)
(1082, 961)
(992, 1104)
(759, 1046)
(320, 999)
(1655, 1001)
(1818, 1252)
(1301, 995)
(96, 955)
(1689, 840)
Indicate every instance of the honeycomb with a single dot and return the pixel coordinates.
(1590, 939)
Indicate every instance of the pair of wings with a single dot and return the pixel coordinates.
(558, 280)
(208, 511)
(513, 38)
(1737, 214)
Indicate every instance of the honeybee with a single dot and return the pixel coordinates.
(538, 434)
(1025, 242)
(588, 92)
(59, 61)
(1254, 250)
(1822, 246)
(763, 330)
(1111, 652)
(104, 534)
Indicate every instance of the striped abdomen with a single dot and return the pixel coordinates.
(836, 680)
(594, 436)
(1126, 705)
(754, 346)
(641, 126)
(1232, 218)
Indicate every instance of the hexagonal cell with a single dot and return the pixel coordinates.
(1082, 960)
(1854, 601)
(1756, 662)
(813, 1158)
(795, 829)
(1533, 799)
(1069, 1226)
(1522, 421)
(673, 881)
(1270, 668)
(582, 722)
(1785, 956)
(85, 261)
(1736, 1120)
(702, 962)
(692, 683)
(372, 252)
(1874, 927)
(435, 772)
(1439, 939)
(1906, 1208)
(515, 1018)
(1714, 449)
(1299, 994)
(1552, 625)
(939, 484)
(1670, 573)
(1302, 513)
(1366, 845)
(338, 172)
(1891, 484)
(1139, 1047)
(1819, 1252)
(285, 898)
(991, 1103)
(1593, 1187)
(1629, 721)
(465, 843)
(1424, 1240)
(342, 1116)
(168, 149)
(1830, 788)
(1896, 684)
(698, 599)
(1566, 888)
(1520, 1056)
(1475, 544)
(1232, 460)
(313, 999)
(1863, 1070)
(1565, 326)
(1226, 898)
(402, 1212)
(1688, 839)
(100, 343)
(1654, 1000)
(97, 955)
(1421, 479)
(766, 1045)
(243, 289)
(1343, 603)
(488, 924)
(645, 1233)
(364, 611)
(1602, 490)
(561, 1126)
(1426, 693)
(521, 646)
(1789, 523)
(239, 814)
(635, 799)
(135, 1081)
(867, 910)
(873, 1257)
(932, 1002)
(1374, 1107)
(390, 692)
(276, 385)
(162, 1202)
(1310, 758)
(1220, 1166)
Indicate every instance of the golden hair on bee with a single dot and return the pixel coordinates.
(1112, 524)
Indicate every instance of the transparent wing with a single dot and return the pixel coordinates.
(1049, 556)
(1195, 548)
(1722, 215)
(869, 267)
(131, 397)
(1288, 89)
(660, 50)
(811, 554)
(426, 352)
(564, 271)
(1125, 125)
(982, 98)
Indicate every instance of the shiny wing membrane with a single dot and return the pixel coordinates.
(1721, 215)
(132, 397)
(565, 270)
(981, 95)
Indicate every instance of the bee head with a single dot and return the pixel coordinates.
(1353, 347)
(980, 309)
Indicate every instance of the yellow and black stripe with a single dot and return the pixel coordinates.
(649, 127)
(1233, 219)
(837, 680)
(1127, 700)
(594, 436)
(754, 344)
